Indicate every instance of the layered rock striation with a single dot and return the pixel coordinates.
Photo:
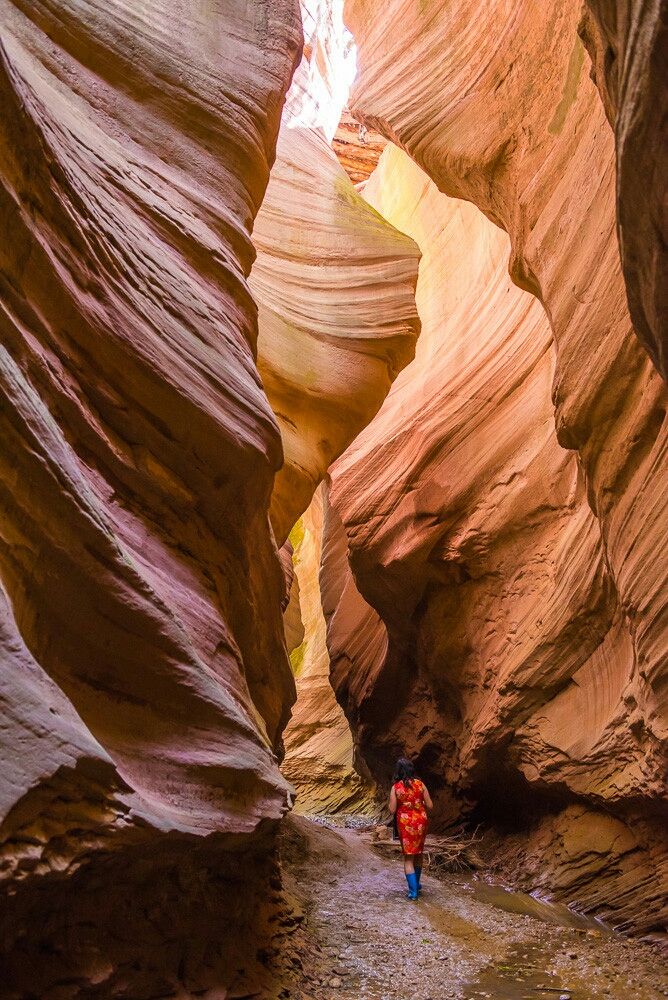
(334, 283)
(358, 148)
(628, 45)
(335, 289)
(510, 558)
(145, 678)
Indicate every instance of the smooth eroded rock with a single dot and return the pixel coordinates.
(139, 453)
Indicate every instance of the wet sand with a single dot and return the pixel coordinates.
(455, 942)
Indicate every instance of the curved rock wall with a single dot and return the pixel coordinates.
(461, 509)
(628, 45)
(138, 459)
(501, 112)
(335, 288)
(319, 758)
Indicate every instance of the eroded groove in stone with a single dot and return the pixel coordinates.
(335, 288)
(628, 45)
(139, 452)
(508, 119)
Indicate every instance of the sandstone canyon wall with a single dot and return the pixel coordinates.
(145, 679)
(334, 283)
(143, 483)
(628, 44)
(335, 287)
(503, 512)
(319, 760)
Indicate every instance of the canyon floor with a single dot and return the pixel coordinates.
(365, 939)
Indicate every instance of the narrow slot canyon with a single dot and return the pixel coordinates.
(333, 378)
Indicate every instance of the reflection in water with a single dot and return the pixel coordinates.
(528, 971)
(522, 902)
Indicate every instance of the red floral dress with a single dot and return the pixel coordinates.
(411, 816)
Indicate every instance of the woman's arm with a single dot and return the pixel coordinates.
(427, 797)
(393, 801)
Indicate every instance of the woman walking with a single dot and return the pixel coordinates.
(409, 801)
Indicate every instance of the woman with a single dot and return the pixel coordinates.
(409, 800)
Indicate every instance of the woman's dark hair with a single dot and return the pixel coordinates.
(404, 771)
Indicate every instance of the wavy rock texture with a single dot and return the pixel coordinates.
(334, 282)
(318, 742)
(138, 459)
(335, 289)
(510, 120)
(463, 513)
(628, 44)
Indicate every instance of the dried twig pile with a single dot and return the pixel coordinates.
(442, 854)
(452, 854)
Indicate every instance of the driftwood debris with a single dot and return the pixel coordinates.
(442, 854)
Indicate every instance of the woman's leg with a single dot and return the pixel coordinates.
(411, 877)
(417, 863)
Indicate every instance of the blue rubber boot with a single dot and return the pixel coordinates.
(418, 874)
(412, 885)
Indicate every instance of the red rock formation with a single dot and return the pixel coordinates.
(628, 43)
(138, 459)
(358, 148)
(501, 112)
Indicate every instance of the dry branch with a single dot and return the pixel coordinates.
(442, 854)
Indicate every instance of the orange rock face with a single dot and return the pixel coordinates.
(458, 484)
(138, 459)
(319, 759)
(503, 510)
(335, 287)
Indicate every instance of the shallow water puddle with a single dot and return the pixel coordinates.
(464, 940)
(522, 902)
(525, 974)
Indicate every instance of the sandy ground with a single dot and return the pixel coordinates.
(366, 940)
